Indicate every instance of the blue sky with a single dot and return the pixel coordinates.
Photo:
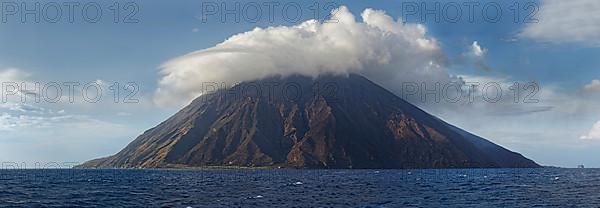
(559, 53)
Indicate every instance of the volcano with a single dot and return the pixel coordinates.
(304, 122)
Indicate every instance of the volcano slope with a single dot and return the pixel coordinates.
(303, 122)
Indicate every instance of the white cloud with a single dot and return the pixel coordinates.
(477, 50)
(15, 116)
(101, 82)
(17, 84)
(25, 108)
(12, 122)
(594, 86)
(34, 131)
(59, 138)
(12, 75)
(475, 57)
(383, 49)
(594, 133)
(566, 21)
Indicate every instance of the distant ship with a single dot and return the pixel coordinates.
(580, 166)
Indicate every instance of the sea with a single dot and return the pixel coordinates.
(546, 187)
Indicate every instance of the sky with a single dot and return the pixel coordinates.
(156, 54)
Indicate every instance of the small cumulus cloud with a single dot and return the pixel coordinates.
(477, 50)
(479, 56)
(594, 133)
(593, 86)
(100, 82)
(475, 56)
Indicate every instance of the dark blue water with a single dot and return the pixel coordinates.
(301, 188)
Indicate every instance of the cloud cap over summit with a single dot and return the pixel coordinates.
(385, 50)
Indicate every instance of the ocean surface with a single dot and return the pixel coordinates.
(301, 188)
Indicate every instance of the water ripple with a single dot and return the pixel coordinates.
(301, 188)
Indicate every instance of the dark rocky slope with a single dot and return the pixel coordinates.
(328, 122)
